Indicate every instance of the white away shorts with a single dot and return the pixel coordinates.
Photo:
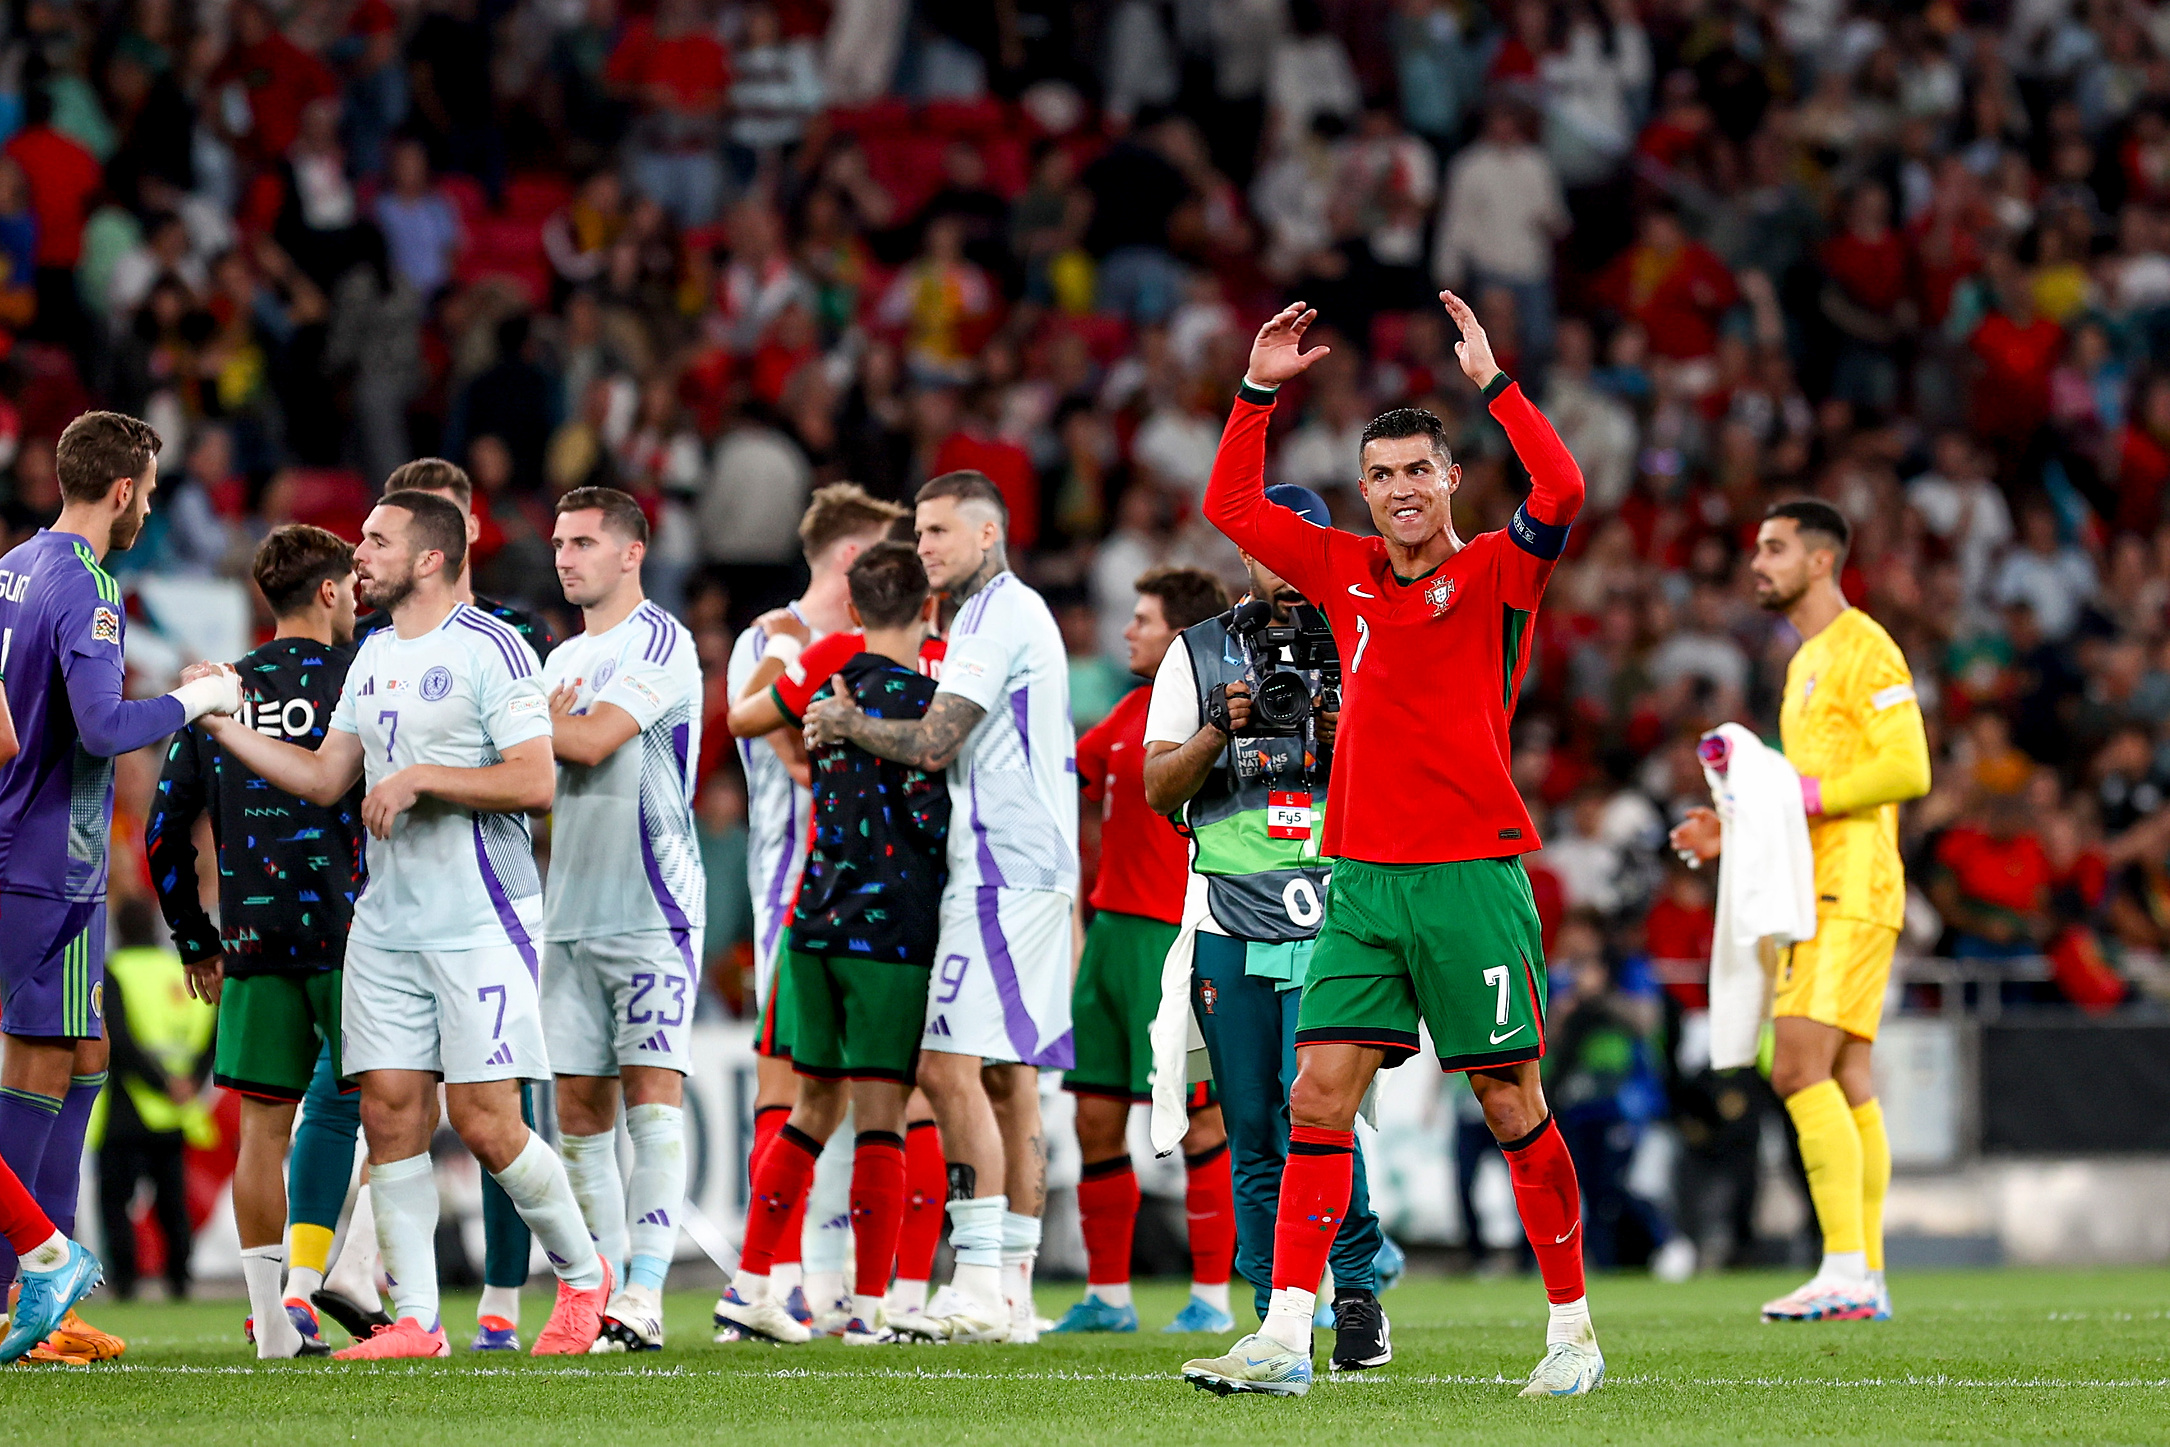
(1001, 984)
(620, 1000)
(466, 1015)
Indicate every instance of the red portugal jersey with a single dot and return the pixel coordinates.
(1144, 863)
(822, 659)
(1431, 665)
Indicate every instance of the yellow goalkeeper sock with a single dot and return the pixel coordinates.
(1875, 1179)
(307, 1247)
(1831, 1150)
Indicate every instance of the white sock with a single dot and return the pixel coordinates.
(261, 1268)
(825, 1249)
(753, 1289)
(785, 1277)
(544, 1198)
(1020, 1235)
(975, 1230)
(907, 1296)
(1288, 1318)
(1212, 1293)
(1843, 1268)
(49, 1255)
(303, 1282)
(863, 1308)
(502, 1302)
(354, 1266)
(1113, 1293)
(655, 1194)
(405, 1195)
(591, 1167)
(824, 1289)
(1570, 1323)
(1876, 1278)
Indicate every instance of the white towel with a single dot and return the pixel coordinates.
(1174, 1033)
(1766, 889)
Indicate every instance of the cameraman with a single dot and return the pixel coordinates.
(1252, 797)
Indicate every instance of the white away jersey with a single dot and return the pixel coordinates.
(777, 815)
(1013, 788)
(458, 696)
(623, 853)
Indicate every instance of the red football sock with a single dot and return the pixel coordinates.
(926, 1201)
(1107, 1208)
(1209, 1200)
(21, 1222)
(1314, 1196)
(781, 1179)
(877, 1206)
(1549, 1199)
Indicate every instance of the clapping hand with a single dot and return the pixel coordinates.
(1278, 355)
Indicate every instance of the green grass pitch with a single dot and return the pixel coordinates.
(1972, 1357)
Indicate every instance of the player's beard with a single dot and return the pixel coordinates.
(1777, 600)
(388, 593)
(128, 527)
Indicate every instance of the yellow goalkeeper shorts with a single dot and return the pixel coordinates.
(1838, 978)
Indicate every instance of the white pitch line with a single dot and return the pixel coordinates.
(1370, 1381)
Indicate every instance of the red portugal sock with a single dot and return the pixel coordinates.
(926, 1201)
(1209, 1201)
(781, 1179)
(1549, 1199)
(1314, 1197)
(21, 1222)
(767, 1120)
(1107, 1208)
(877, 1206)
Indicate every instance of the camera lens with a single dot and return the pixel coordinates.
(1281, 702)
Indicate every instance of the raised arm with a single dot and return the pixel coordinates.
(1235, 499)
(320, 775)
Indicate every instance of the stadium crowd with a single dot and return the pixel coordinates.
(1912, 260)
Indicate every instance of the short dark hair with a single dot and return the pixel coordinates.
(621, 514)
(839, 511)
(1812, 515)
(432, 474)
(297, 559)
(966, 485)
(1407, 422)
(1187, 595)
(98, 449)
(438, 526)
(904, 530)
(888, 585)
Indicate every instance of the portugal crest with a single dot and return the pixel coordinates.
(1440, 594)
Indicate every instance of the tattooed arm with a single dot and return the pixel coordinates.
(931, 743)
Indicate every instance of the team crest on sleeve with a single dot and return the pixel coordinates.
(436, 683)
(105, 626)
(1440, 594)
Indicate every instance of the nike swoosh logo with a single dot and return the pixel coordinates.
(1496, 1038)
(1358, 590)
(1562, 1240)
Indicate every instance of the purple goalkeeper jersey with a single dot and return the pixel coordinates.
(61, 629)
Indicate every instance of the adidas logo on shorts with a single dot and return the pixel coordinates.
(502, 1056)
(940, 1025)
(658, 1042)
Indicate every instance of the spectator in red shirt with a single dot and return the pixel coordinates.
(1674, 285)
(976, 446)
(1677, 935)
(1992, 883)
(64, 179)
(277, 77)
(2142, 459)
(1867, 297)
(679, 76)
(2017, 348)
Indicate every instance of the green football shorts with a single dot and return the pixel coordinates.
(1457, 946)
(271, 1028)
(854, 1019)
(1113, 1003)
